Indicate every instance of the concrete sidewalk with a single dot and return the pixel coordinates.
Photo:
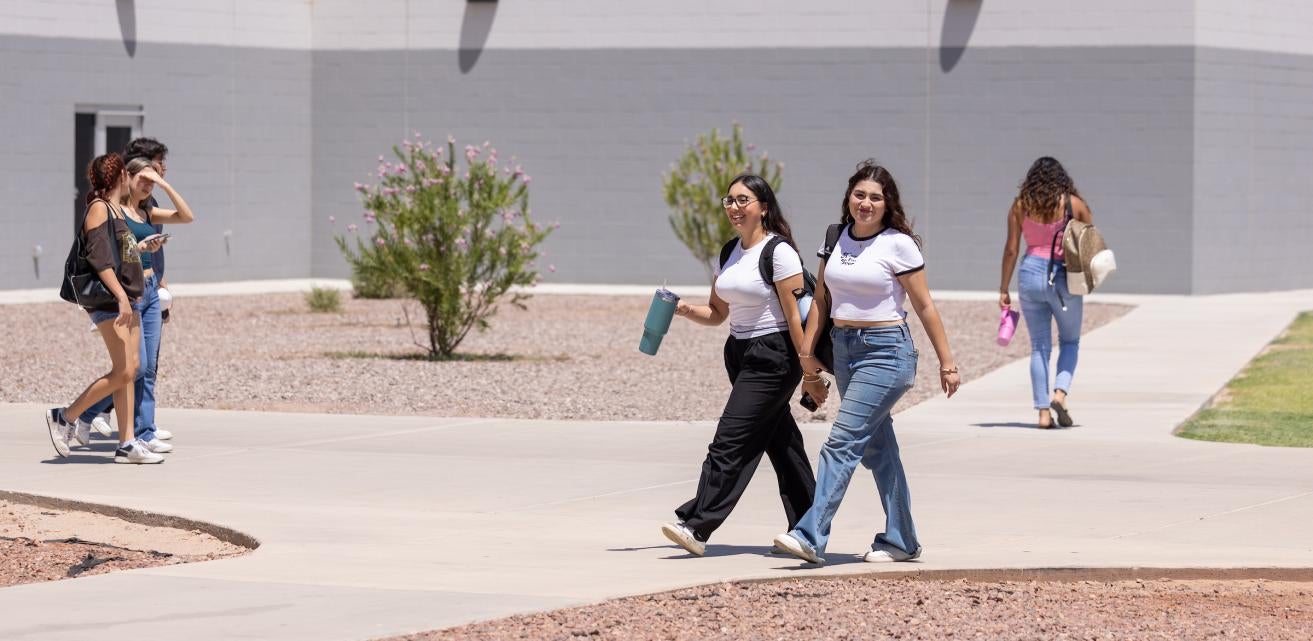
(372, 526)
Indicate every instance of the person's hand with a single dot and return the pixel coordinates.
(949, 380)
(125, 312)
(151, 244)
(150, 174)
(683, 309)
(1004, 300)
(817, 389)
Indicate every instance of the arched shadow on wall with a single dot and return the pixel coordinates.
(959, 21)
(474, 30)
(128, 25)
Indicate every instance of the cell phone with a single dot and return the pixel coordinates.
(154, 237)
(808, 402)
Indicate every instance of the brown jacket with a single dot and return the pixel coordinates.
(101, 249)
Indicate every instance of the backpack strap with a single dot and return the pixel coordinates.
(1053, 251)
(727, 250)
(1057, 235)
(831, 239)
(766, 265)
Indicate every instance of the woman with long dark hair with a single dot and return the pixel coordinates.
(143, 218)
(1038, 215)
(114, 253)
(761, 357)
(878, 264)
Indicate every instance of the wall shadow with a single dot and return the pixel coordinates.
(128, 25)
(959, 21)
(474, 30)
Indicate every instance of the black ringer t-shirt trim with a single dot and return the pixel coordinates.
(849, 231)
(910, 271)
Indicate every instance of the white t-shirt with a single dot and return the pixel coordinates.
(862, 275)
(754, 308)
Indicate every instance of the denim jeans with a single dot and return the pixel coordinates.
(874, 368)
(148, 308)
(1041, 306)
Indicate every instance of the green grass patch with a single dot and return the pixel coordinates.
(323, 300)
(1271, 401)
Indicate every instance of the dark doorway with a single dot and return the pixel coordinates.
(84, 149)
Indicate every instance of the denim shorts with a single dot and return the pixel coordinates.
(98, 317)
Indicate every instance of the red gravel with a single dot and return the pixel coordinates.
(24, 560)
(869, 607)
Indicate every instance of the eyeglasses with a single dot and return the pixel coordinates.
(743, 201)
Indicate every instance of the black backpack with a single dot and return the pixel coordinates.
(824, 350)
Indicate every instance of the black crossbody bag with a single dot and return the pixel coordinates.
(82, 284)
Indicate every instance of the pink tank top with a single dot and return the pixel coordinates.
(1039, 237)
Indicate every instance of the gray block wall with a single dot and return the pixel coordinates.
(1194, 159)
(596, 129)
(237, 122)
(1253, 180)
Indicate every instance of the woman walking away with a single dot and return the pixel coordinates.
(1039, 215)
(761, 357)
(878, 266)
(141, 217)
(113, 252)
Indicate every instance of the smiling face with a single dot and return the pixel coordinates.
(744, 210)
(866, 203)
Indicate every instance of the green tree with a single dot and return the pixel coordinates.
(695, 184)
(457, 240)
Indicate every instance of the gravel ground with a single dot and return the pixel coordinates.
(873, 608)
(566, 357)
(45, 544)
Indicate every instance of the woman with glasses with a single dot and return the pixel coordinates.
(761, 357)
(878, 265)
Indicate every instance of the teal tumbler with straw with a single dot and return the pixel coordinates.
(659, 315)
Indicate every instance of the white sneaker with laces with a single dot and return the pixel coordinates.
(82, 433)
(101, 425)
(60, 431)
(163, 435)
(680, 535)
(133, 452)
(157, 446)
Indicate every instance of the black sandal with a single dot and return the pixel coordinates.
(1064, 419)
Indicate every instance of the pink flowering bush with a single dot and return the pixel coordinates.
(695, 184)
(457, 239)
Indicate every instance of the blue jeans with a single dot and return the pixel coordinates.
(148, 307)
(1041, 306)
(874, 368)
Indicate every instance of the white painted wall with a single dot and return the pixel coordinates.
(278, 24)
(1260, 25)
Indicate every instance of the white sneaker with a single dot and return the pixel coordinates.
(133, 452)
(60, 431)
(157, 446)
(163, 435)
(883, 556)
(101, 425)
(82, 433)
(798, 548)
(680, 535)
